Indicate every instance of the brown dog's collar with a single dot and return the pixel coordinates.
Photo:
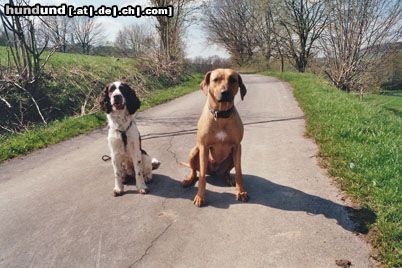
(221, 114)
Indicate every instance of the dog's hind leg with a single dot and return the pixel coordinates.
(194, 163)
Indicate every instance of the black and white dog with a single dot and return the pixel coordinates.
(120, 103)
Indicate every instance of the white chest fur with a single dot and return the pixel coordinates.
(221, 135)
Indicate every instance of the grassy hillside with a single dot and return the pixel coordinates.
(70, 86)
(41, 136)
(70, 81)
(362, 144)
(389, 100)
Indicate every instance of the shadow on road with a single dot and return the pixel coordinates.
(267, 193)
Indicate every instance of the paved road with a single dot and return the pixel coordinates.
(57, 209)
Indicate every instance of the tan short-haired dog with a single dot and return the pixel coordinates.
(220, 131)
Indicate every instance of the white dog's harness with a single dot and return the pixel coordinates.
(124, 138)
(124, 135)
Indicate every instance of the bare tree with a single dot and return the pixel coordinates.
(3, 39)
(232, 24)
(165, 61)
(87, 32)
(171, 30)
(134, 40)
(356, 38)
(24, 51)
(57, 28)
(301, 24)
(263, 27)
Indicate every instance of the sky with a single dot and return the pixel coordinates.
(195, 39)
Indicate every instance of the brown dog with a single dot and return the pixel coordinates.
(220, 131)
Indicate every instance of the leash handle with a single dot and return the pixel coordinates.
(106, 157)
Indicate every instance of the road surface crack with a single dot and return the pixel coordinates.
(151, 245)
(172, 152)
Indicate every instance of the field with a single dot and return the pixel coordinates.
(361, 143)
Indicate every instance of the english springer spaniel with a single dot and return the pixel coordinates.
(120, 103)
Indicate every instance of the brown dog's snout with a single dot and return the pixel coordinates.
(225, 91)
(225, 95)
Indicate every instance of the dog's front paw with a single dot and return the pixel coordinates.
(143, 189)
(148, 178)
(189, 181)
(242, 196)
(117, 192)
(199, 201)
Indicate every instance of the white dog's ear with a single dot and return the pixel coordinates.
(104, 100)
(204, 86)
(132, 101)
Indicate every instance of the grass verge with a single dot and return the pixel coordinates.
(362, 143)
(389, 100)
(59, 130)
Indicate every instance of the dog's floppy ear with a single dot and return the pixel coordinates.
(104, 101)
(243, 89)
(132, 102)
(204, 86)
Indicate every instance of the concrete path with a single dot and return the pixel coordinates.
(57, 209)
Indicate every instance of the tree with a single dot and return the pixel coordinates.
(3, 38)
(263, 27)
(233, 25)
(57, 29)
(356, 38)
(86, 32)
(24, 51)
(171, 30)
(134, 40)
(301, 24)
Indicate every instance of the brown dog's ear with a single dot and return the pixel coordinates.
(204, 86)
(104, 101)
(243, 89)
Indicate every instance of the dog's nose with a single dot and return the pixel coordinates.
(118, 99)
(225, 93)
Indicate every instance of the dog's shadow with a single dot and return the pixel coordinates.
(267, 193)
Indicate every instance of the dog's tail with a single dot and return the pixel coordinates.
(184, 164)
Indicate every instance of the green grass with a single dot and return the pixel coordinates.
(70, 79)
(362, 143)
(42, 136)
(389, 100)
(59, 130)
(160, 95)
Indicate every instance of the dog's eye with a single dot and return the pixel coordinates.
(112, 88)
(232, 80)
(216, 79)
